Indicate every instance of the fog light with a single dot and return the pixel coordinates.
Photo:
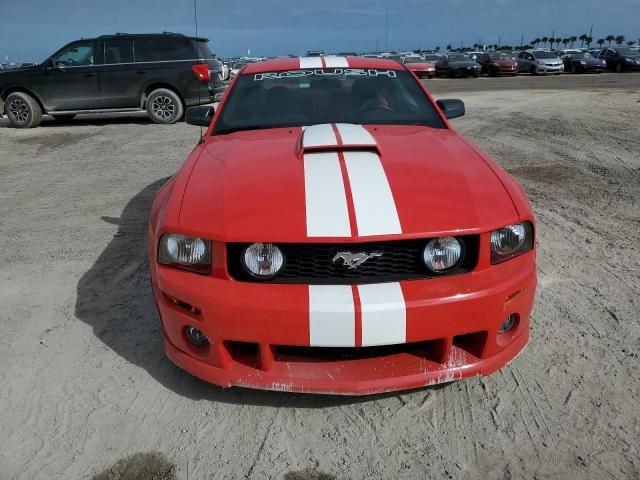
(196, 336)
(508, 324)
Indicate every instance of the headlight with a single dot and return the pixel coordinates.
(511, 241)
(263, 260)
(583, 62)
(188, 253)
(442, 253)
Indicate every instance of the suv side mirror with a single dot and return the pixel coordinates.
(452, 108)
(200, 115)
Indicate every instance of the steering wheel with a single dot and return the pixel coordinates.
(372, 105)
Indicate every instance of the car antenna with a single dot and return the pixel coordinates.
(195, 44)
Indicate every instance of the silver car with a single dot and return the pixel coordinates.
(539, 62)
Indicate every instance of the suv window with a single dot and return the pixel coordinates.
(78, 54)
(159, 49)
(118, 50)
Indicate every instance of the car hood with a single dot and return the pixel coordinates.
(259, 186)
(463, 63)
(17, 71)
(505, 63)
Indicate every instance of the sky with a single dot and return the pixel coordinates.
(30, 30)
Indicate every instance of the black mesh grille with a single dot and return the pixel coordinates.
(312, 263)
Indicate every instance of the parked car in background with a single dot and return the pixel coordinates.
(582, 62)
(241, 63)
(161, 74)
(566, 51)
(620, 59)
(457, 65)
(432, 57)
(498, 63)
(538, 62)
(474, 55)
(420, 67)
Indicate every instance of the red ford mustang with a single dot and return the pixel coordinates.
(331, 233)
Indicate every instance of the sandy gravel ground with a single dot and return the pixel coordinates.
(86, 392)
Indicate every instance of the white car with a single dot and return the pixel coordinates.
(538, 62)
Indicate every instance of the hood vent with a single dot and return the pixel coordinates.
(335, 136)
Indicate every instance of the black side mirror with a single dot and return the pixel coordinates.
(452, 108)
(200, 115)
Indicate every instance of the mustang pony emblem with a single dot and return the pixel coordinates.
(354, 260)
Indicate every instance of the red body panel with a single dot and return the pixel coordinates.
(422, 69)
(250, 187)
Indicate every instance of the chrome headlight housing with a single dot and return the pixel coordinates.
(263, 260)
(442, 253)
(511, 241)
(187, 253)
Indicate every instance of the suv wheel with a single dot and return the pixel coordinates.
(164, 106)
(619, 68)
(23, 111)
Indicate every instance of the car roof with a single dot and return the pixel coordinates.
(294, 64)
(152, 35)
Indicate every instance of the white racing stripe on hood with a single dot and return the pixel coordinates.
(310, 62)
(326, 200)
(373, 201)
(384, 314)
(354, 134)
(320, 135)
(331, 316)
(336, 62)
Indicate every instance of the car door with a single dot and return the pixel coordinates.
(70, 78)
(522, 63)
(120, 78)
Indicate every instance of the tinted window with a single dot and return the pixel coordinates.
(77, 55)
(309, 97)
(161, 49)
(118, 50)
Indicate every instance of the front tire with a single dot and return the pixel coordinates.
(23, 111)
(164, 106)
(619, 68)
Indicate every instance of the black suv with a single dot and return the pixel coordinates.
(160, 73)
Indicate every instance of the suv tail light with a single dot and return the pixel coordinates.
(202, 71)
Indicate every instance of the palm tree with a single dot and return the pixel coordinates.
(565, 42)
(588, 41)
(610, 38)
(619, 40)
(438, 48)
(630, 42)
(582, 38)
(449, 47)
(573, 39)
(600, 42)
(544, 40)
(535, 42)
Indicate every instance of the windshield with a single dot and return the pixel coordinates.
(500, 56)
(413, 60)
(543, 54)
(627, 52)
(309, 97)
(458, 58)
(581, 55)
(432, 58)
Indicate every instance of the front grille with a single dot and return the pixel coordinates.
(311, 263)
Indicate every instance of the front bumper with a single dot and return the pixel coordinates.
(550, 68)
(261, 336)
